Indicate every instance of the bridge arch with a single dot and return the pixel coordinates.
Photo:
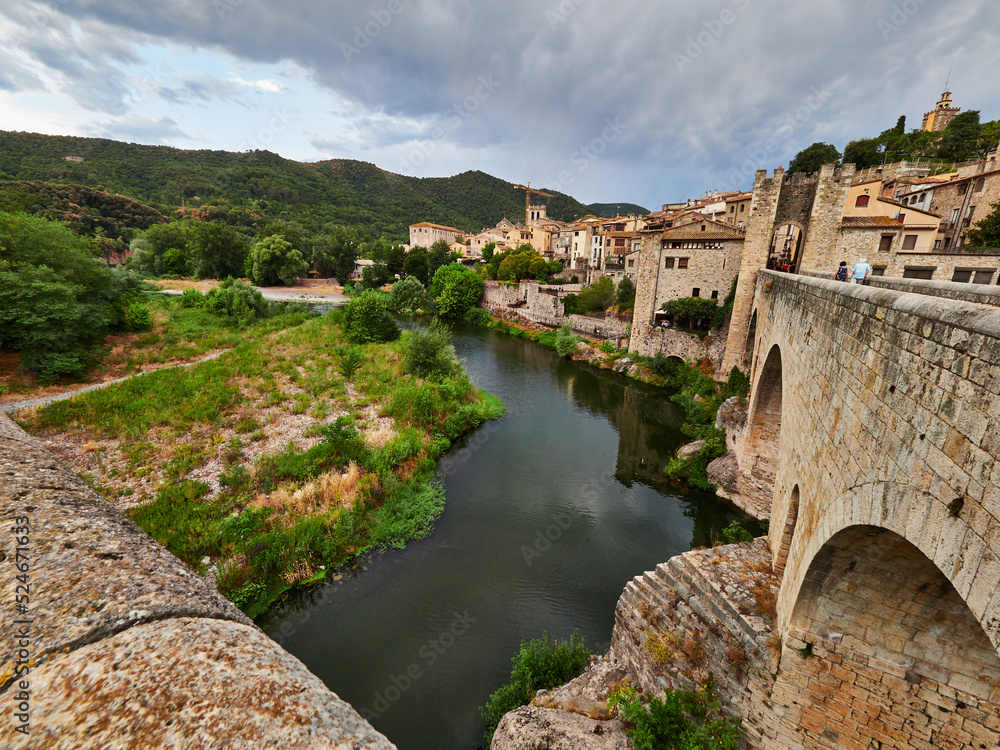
(764, 435)
(787, 533)
(882, 648)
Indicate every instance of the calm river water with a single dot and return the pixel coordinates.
(551, 510)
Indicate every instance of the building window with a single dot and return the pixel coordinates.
(878, 270)
(742, 207)
(962, 275)
(703, 227)
(919, 272)
(980, 184)
(972, 210)
(901, 218)
(715, 294)
(696, 292)
(909, 241)
(885, 244)
(732, 209)
(668, 263)
(937, 244)
(682, 262)
(631, 263)
(983, 275)
(954, 215)
(862, 201)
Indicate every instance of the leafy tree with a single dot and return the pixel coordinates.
(488, 250)
(367, 319)
(960, 141)
(177, 262)
(56, 300)
(375, 276)
(864, 153)
(986, 233)
(409, 296)
(625, 297)
(693, 309)
(439, 255)
(149, 248)
(811, 158)
(430, 352)
(273, 259)
(417, 264)
(389, 254)
(455, 290)
(596, 296)
(291, 232)
(989, 137)
(217, 250)
(566, 340)
(335, 252)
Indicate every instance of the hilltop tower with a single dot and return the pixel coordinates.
(938, 119)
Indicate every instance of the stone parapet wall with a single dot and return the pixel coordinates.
(980, 293)
(650, 340)
(120, 644)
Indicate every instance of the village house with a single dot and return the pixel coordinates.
(426, 234)
(693, 260)
(874, 225)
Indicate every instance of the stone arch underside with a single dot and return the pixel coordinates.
(883, 652)
(760, 456)
(787, 533)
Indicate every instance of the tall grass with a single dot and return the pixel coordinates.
(289, 516)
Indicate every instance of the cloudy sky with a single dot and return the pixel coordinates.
(609, 101)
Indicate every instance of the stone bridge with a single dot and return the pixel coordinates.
(869, 618)
(874, 424)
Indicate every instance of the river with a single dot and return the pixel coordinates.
(550, 511)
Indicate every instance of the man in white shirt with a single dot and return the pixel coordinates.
(861, 271)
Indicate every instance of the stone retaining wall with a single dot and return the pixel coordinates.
(121, 645)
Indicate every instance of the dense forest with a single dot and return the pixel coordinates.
(247, 189)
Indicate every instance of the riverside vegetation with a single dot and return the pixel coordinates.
(289, 455)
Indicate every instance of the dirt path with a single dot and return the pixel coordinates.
(31, 403)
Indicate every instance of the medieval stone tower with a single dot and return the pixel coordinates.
(814, 204)
(937, 120)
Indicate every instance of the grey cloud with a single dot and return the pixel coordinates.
(138, 129)
(698, 84)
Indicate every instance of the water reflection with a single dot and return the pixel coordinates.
(550, 512)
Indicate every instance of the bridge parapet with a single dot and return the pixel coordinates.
(120, 644)
(876, 411)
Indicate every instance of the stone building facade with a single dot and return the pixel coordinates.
(426, 234)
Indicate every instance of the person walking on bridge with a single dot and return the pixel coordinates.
(861, 271)
(841, 274)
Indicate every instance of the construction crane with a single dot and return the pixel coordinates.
(527, 199)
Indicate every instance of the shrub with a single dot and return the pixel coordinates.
(238, 301)
(350, 361)
(680, 719)
(430, 353)
(694, 310)
(597, 296)
(456, 289)
(409, 297)
(541, 664)
(566, 340)
(574, 279)
(192, 298)
(367, 319)
(477, 316)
